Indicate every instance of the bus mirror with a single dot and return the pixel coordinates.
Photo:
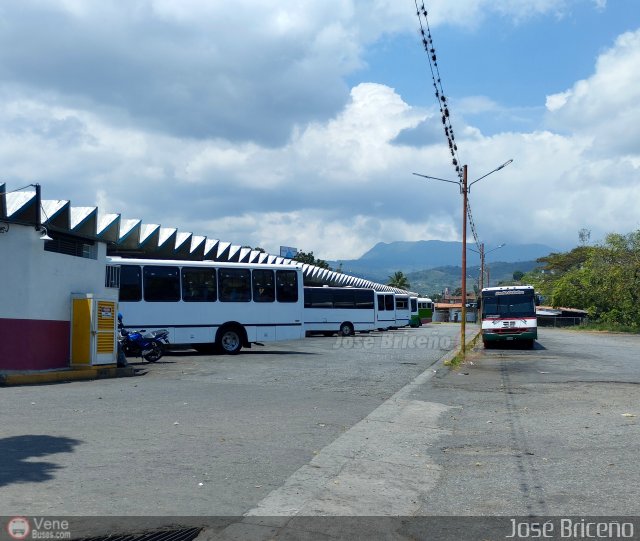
(538, 300)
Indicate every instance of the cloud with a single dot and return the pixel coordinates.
(472, 13)
(194, 69)
(606, 106)
(237, 124)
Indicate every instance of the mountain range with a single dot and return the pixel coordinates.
(384, 259)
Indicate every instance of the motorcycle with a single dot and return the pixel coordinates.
(148, 345)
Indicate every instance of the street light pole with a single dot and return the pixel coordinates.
(464, 186)
(481, 266)
(463, 326)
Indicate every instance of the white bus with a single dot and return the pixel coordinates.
(509, 314)
(386, 311)
(343, 310)
(208, 305)
(403, 310)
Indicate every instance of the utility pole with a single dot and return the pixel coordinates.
(464, 187)
(481, 266)
(464, 261)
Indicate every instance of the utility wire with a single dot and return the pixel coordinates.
(443, 105)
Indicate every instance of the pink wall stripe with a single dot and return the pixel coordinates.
(31, 344)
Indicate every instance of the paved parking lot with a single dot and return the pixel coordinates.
(199, 435)
(325, 426)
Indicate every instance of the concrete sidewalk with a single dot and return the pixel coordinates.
(66, 374)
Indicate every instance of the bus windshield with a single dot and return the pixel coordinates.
(508, 306)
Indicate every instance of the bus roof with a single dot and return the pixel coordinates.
(507, 288)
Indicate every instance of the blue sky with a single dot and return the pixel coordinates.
(300, 123)
(515, 63)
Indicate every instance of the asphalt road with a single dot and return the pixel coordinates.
(553, 431)
(326, 427)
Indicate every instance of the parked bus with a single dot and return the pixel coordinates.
(415, 317)
(343, 310)
(508, 314)
(403, 310)
(386, 311)
(425, 310)
(208, 305)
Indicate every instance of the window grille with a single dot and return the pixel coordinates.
(112, 276)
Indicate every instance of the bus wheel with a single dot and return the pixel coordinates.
(229, 340)
(346, 329)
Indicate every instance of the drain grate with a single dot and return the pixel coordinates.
(183, 534)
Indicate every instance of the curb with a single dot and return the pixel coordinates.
(469, 343)
(70, 374)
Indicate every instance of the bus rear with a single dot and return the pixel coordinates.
(425, 310)
(509, 314)
(415, 320)
(386, 311)
(403, 310)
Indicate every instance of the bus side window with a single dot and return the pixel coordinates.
(161, 284)
(130, 283)
(263, 286)
(388, 302)
(344, 298)
(234, 285)
(364, 300)
(381, 306)
(199, 284)
(287, 286)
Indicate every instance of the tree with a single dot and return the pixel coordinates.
(399, 280)
(517, 275)
(584, 235)
(310, 259)
(603, 279)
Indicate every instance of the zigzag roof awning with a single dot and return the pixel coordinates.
(133, 237)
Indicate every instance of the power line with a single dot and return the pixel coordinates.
(443, 103)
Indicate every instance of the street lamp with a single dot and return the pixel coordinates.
(482, 256)
(465, 188)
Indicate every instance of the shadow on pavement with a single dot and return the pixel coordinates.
(17, 450)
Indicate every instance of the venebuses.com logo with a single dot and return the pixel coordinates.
(20, 528)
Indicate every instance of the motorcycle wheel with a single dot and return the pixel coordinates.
(154, 354)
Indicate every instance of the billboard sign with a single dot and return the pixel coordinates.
(288, 252)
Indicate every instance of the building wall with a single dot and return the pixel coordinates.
(35, 299)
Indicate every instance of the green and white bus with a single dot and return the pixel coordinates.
(425, 310)
(509, 314)
(415, 316)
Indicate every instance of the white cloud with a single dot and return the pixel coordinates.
(558, 101)
(473, 12)
(253, 137)
(606, 106)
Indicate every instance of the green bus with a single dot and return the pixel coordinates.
(425, 310)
